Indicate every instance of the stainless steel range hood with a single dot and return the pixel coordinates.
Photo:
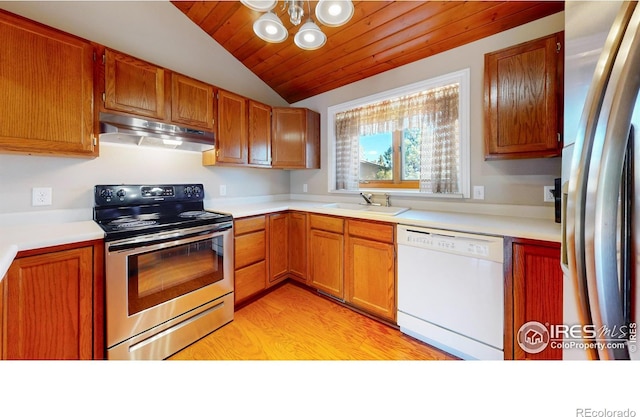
(141, 132)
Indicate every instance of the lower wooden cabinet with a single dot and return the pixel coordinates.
(370, 268)
(533, 292)
(326, 254)
(53, 304)
(269, 249)
(298, 246)
(250, 247)
(278, 247)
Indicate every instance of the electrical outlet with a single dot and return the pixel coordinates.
(304, 188)
(41, 196)
(548, 194)
(478, 192)
(223, 190)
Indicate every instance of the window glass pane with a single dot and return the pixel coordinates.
(376, 157)
(411, 154)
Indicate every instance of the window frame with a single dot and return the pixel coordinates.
(462, 77)
(398, 167)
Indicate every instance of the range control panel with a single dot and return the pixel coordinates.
(125, 194)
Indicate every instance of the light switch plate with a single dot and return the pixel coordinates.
(478, 192)
(223, 190)
(548, 193)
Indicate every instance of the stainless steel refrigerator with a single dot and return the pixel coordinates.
(600, 180)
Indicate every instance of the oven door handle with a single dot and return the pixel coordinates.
(174, 238)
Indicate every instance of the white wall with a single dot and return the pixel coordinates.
(72, 179)
(518, 182)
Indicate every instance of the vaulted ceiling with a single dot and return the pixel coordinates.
(380, 36)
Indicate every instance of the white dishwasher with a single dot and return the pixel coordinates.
(451, 291)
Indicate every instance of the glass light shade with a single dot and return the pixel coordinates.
(269, 28)
(310, 37)
(259, 5)
(334, 12)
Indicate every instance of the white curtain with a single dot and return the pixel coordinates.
(433, 112)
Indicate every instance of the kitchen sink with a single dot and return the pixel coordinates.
(363, 208)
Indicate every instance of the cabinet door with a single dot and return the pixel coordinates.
(191, 102)
(46, 90)
(295, 142)
(232, 128)
(298, 246)
(49, 306)
(537, 292)
(326, 254)
(278, 246)
(523, 100)
(370, 276)
(259, 134)
(134, 86)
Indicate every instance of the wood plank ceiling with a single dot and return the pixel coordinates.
(380, 36)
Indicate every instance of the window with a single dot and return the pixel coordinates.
(410, 139)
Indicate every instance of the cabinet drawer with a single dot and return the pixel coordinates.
(250, 224)
(328, 223)
(382, 232)
(250, 280)
(250, 248)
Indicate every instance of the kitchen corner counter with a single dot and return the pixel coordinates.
(518, 227)
(16, 238)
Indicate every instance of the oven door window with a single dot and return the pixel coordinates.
(164, 274)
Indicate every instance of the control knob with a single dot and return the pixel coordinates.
(106, 194)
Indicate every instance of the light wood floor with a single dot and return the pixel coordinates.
(292, 323)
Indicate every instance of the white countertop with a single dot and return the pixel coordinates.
(15, 238)
(520, 227)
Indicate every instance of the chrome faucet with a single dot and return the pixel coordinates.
(368, 197)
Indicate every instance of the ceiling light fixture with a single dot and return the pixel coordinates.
(334, 12)
(259, 5)
(269, 27)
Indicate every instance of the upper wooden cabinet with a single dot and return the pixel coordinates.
(295, 142)
(46, 90)
(259, 142)
(192, 102)
(523, 101)
(231, 142)
(135, 87)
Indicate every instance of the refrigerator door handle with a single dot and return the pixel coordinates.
(574, 225)
(603, 188)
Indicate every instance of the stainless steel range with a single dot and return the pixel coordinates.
(169, 268)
